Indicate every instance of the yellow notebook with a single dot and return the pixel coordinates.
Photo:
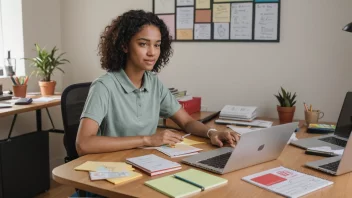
(107, 166)
(133, 176)
(174, 187)
(191, 142)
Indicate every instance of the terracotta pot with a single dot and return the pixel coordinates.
(19, 91)
(47, 88)
(286, 114)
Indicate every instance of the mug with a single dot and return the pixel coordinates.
(313, 116)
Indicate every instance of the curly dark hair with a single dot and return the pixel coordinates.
(119, 34)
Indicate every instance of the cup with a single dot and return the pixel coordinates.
(20, 91)
(313, 116)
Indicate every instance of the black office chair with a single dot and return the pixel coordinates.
(72, 102)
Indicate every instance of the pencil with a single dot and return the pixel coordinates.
(186, 135)
(26, 80)
(13, 81)
(310, 108)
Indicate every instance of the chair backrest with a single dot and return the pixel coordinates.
(72, 103)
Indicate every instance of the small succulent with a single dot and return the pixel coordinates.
(286, 99)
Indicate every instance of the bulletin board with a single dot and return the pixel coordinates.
(221, 20)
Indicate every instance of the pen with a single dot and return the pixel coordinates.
(186, 135)
(13, 80)
(305, 106)
(190, 182)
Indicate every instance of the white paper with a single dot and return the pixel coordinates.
(185, 2)
(242, 130)
(46, 99)
(153, 163)
(292, 184)
(164, 6)
(202, 31)
(327, 149)
(241, 20)
(221, 31)
(266, 21)
(178, 150)
(107, 175)
(184, 18)
(255, 123)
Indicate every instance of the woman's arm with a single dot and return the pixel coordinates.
(88, 142)
(190, 125)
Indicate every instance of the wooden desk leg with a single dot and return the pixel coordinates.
(38, 115)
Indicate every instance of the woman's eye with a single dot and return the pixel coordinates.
(142, 44)
(157, 45)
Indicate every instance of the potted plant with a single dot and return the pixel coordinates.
(45, 63)
(287, 107)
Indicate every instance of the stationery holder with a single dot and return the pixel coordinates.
(20, 91)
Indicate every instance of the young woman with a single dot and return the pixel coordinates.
(124, 105)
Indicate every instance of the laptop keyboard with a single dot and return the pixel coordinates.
(331, 166)
(336, 141)
(217, 161)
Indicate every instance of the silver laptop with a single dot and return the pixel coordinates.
(253, 148)
(338, 140)
(335, 165)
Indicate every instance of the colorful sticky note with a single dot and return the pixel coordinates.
(221, 12)
(202, 4)
(185, 34)
(169, 20)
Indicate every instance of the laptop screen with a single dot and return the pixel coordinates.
(344, 124)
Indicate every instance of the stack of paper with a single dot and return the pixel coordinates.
(254, 123)
(243, 113)
(114, 172)
(179, 150)
(153, 164)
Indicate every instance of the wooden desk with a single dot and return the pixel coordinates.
(25, 158)
(291, 157)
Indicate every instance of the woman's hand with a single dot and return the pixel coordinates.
(164, 137)
(219, 137)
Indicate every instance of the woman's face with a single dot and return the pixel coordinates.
(144, 48)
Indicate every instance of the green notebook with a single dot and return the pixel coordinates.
(174, 187)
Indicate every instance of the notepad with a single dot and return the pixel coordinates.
(132, 176)
(103, 166)
(287, 182)
(179, 150)
(191, 142)
(153, 164)
(173, 187)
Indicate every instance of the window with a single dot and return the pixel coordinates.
(1, 48)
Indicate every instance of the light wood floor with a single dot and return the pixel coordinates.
(57, 191)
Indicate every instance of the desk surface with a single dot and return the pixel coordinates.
(16, 109)
(292, 157)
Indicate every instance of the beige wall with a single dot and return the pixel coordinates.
(313, 57)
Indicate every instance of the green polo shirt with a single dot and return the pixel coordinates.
(121, 109)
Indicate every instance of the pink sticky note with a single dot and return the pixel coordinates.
(169, 20)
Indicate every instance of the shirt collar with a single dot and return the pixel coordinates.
(126, 83)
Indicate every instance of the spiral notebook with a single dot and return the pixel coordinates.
(287, 182)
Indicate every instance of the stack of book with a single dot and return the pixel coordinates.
(242, 113)
(179, 94)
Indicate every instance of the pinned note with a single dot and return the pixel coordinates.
(185, 2)
(202, 4)
(202, 31)
(169, 20)
(164, 6)
(184, 34)
(185, 16)
(221, 31)
(266, 21)
(221, 12)
(241, 21)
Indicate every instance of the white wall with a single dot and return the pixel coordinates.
(311, 59)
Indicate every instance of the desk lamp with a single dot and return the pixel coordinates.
(348, 27)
